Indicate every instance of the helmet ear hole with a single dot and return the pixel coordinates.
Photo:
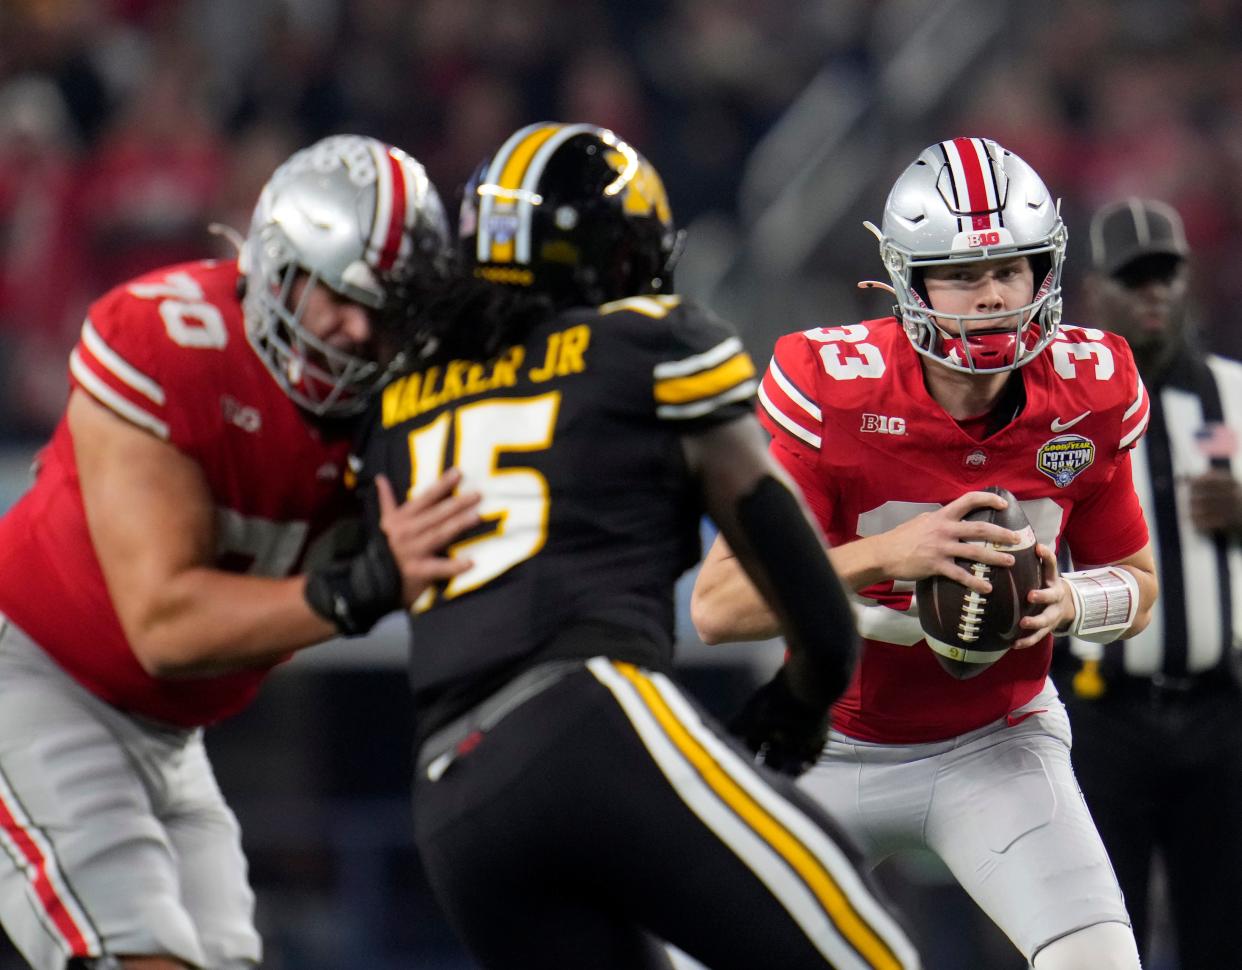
(918, 284)
(1041, 266)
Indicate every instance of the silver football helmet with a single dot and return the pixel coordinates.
(356, 215)
(961, 201)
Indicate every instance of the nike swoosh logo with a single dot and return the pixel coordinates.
(1059, 425)
(1015, 719)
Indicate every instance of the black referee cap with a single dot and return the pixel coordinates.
(1124, 231)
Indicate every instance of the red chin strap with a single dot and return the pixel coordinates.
(990, 348)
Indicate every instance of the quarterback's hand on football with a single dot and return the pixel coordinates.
(929, 544)
(1054, 597)
(784, 733)
(1216, 502)
(419, 529)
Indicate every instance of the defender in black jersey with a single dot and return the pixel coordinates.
(573, 806)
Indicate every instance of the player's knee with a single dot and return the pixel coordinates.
(236, 947)
(1104, 946)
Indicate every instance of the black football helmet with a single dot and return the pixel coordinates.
(572, 212)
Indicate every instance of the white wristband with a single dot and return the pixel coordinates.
(1105, 602)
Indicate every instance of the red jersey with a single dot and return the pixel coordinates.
(168, 352)
(870, 448)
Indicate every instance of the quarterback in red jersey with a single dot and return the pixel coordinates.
(178, 542)
(891, 427)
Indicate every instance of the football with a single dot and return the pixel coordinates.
(968, 631)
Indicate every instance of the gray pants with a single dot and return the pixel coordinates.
(999, 805)
(116, 838)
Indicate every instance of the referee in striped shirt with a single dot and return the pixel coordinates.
(1157, 719)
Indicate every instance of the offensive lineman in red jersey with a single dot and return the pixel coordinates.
(176, 545)
(890, 427)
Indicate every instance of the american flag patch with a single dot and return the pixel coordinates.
(1217, 440)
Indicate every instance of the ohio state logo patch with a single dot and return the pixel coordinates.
(1065, 457)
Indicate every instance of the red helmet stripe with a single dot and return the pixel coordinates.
(396, 214)
(978, 201)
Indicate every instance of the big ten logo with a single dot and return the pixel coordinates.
(243, 415)
(983, 239)
(883, 424)
(351, 152)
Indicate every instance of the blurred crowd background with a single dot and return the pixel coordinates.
(128, 126)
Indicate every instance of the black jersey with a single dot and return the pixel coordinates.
(572, 437)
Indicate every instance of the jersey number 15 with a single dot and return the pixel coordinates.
(515, 500)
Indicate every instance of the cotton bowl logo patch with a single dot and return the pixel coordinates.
(1064, 457)
(503, 226)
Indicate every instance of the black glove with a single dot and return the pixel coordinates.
(355, 593)
(785, 733)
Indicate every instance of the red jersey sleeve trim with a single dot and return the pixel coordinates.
(1140, 412)
(117, 384)
(788, 408)
(119, 367)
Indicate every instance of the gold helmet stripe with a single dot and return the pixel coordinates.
(511, 182)
(499, 189)
(534, 172)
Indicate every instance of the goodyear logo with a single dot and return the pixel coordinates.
(1064, 458)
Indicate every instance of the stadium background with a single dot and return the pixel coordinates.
(126, 126)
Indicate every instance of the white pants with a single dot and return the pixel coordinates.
(116, 838)
(1000, 806)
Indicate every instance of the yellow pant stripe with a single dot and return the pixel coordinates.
(852, 927)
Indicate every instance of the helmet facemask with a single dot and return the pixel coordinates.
(967, 201)
(1020, 333)
(319, 377)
